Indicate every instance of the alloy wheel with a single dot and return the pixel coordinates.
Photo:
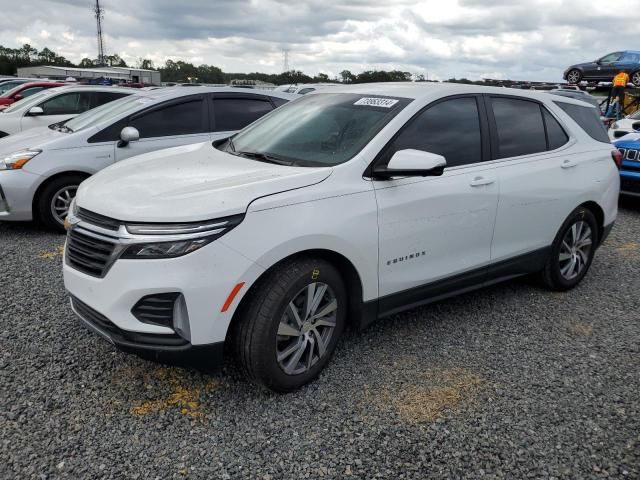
(573, 76)
(306, 328)
(635, 78)
(575, 250)
(61, 201)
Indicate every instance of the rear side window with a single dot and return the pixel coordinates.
(450, 128)
(556, 136)
(520, 127)
(177, 119)
(588, 119)
(278, 102)
(100, 98)
(236, 113)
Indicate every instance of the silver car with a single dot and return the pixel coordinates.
(41, 168)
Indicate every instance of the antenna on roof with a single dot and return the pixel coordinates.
(99, 14)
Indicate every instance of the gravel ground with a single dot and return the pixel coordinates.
(508, 382)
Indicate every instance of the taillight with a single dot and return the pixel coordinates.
(616, 155)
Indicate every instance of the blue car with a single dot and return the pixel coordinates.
(629, 146)
(605, 68)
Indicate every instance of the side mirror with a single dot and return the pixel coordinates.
(128, 134)
(412, 163)
(34, 111)
(17, 97)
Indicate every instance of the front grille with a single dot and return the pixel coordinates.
(120, 336)
(98, 220)
(88, 254)
(156, 309)
(632, 154)
(623, 151)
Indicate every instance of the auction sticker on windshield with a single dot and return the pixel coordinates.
(377, 102)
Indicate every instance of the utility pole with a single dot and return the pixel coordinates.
(285, 63)
(99, 14)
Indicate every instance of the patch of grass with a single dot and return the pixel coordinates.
(182, 396)
(629, 250)
(580, 329)
(52, 253)
(434, 393)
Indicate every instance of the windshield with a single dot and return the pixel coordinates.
(9, 85)
(108, 111)
(317, 130)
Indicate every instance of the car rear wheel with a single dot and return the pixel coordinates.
(53, 203)
(572, 251)
(293, 319)
(635, 78)
(574, 76)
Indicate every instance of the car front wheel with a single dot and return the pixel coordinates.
(291, 323)
(53, 203)
(572, 251)
(635, 78)
(574, 76)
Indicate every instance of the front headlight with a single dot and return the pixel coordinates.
(17, 160)
(615, 125)
(187, 237)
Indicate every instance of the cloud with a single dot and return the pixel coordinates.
(521, 39)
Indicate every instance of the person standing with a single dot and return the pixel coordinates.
(619, 84)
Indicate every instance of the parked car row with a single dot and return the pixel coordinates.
(44, 166)
(338, 208)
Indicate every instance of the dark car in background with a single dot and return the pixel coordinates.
(605, 68)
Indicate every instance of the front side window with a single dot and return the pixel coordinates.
(30, 91)
(612, 57)
(67, 104)
(319, 130)
(184, 118)
(450, 128)
(520, 127)
(236, 113)
(100, 98)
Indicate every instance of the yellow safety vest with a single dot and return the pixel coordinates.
(620, 80)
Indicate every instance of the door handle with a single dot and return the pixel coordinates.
(568, 164)
(480, 181)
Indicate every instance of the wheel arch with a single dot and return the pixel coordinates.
(47, 181)
(598, 212)
(360, 313)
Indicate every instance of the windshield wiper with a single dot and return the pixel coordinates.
(265, 157)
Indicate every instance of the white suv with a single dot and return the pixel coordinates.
(337, 209)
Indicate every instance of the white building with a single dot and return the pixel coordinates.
(115, 74)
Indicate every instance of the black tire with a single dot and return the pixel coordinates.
(574, 76)
(43, 210)
(552, 276)
(255, 336)
(635, 78)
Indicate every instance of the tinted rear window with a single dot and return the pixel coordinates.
(556, 136)
(588, 119)
(520, 127)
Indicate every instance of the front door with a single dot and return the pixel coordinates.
(435, 232)
(171, 124)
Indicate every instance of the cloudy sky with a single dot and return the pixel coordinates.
(518, 39)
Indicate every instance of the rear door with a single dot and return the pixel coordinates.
(231, 112)
(177, 122)
(58, 108)
(540, 180)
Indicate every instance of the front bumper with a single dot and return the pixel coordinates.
(630, 181)
(17, 188)
(204, 279)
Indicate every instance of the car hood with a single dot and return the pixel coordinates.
(188, 183)
(32, 138)
(630, 140)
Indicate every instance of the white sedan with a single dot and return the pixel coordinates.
(622, 127)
